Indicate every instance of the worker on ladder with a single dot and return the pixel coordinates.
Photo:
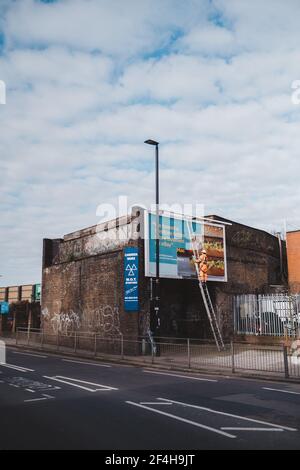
(202, 262)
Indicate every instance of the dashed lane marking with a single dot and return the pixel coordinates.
(180, 376)
(29, 354)
(35, 399)
(252, 429)
(87, 363)
(154, 403)
(282, 391)
(18, 368)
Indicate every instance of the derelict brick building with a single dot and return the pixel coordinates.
(83, 281)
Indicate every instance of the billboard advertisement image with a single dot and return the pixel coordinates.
(177, 237)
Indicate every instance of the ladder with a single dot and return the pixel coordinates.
(206, 297)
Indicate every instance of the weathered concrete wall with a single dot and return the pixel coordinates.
(99, 239)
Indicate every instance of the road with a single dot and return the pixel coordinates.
(56, 402)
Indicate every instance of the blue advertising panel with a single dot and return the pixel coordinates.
(37, 292)
(131, 279)
(175, 247)
(4, 308)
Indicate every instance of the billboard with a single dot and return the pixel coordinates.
(131, 279)
(4, 308)
(37, 292)
(175, 247)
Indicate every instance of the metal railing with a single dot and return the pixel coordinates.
(267, 315)
(187, 353)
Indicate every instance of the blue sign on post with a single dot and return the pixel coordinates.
(4, 308)
(131, 279)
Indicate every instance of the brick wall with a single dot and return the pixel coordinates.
(83, 283)
(254, 264)
(87, 295)
(82, 288)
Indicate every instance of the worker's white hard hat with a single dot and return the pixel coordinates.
(203, 251)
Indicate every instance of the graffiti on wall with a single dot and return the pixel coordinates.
(63, 323)
(105, 319)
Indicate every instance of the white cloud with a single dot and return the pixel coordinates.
(213, 86)
(209, 40)
(114, 27)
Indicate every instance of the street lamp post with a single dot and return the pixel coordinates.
(156, 290)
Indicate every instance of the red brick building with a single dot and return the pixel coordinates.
(293, 255)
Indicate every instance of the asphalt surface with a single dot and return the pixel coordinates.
(52, 402)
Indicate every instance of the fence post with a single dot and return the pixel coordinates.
(28, 335)
(29, 322)
(286, 362)
(122, 347)
(152, 354)
(95, 345)
(232, 358)
(17, 336)
(75, 341)
(42, 339)
(57, 341)
(189, 352)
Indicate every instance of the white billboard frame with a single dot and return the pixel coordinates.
(202, 221)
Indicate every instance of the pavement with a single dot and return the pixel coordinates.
(260, 363)
(59, 402)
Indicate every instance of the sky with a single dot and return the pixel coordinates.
(87, 81)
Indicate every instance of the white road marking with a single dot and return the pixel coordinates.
(178, 418)
(180, 376)
(87, 363)
(29, 354)
(154, 403)
(29, 390)
(252, 429)
(18, 368)
(229, 414)
(47, 396)
(35, 399)
(283, 391)
(59, 378)
(85, 382)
